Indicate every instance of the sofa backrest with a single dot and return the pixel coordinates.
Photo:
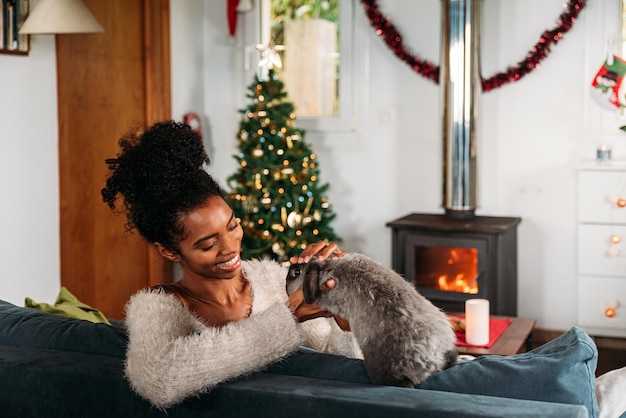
(28, 327)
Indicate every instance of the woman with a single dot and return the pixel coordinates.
(225, 317)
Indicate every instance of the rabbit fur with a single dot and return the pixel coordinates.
(403, 336)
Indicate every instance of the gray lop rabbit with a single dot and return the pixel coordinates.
(403, 336)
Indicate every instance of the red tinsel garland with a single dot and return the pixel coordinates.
(538, 52)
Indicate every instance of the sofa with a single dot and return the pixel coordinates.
(52, 366)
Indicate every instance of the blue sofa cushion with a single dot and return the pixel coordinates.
(562, 371)
(30, 327)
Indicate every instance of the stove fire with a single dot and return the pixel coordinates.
(447, 269)
(459, 284)
(451, 260)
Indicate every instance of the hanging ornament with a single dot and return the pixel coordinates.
(294, 220)
(232, 8)
(283, 215)
(386, 30)
(309, 204)
(231, 14)
(606, 84)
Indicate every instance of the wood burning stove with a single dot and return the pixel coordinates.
(450, 260)
(456, 256)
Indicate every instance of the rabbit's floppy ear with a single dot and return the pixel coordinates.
(311, 285)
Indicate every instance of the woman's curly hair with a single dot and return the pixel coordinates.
(160, 176)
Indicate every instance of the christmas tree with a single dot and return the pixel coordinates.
(276, 191)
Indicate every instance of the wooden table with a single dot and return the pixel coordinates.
(515, 338)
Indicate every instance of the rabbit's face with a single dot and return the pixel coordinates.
(295, 277)
(305, 276)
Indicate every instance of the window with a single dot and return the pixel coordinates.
(321, 60)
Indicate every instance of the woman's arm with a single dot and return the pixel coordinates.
(323, 334)
(171, 355)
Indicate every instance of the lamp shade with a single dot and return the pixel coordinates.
(60, 16)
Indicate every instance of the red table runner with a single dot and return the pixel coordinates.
(496, 328)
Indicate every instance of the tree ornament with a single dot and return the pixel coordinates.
(269, 56)
(294, 220)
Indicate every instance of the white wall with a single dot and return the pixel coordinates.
(29, 191)
(533, 134)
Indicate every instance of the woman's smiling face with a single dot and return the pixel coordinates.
(212, 244)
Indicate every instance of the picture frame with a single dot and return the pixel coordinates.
(13, 13)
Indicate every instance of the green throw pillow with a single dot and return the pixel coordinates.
(69, 306)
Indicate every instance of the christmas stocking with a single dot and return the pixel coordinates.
(605, 88)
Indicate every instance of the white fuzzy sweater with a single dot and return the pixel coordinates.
(172, 355)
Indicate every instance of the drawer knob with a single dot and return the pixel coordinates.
(621, 203)
(615, 239)
(609, 312)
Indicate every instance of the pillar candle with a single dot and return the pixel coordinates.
(477, 321)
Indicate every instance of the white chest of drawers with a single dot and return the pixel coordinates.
(602, 248)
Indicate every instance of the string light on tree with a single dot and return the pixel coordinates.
(275, 192)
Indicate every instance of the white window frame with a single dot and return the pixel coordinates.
(353, 72)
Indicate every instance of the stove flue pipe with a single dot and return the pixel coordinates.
(459, 79)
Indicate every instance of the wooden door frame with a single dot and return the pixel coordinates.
(158, 98)
(104, 82)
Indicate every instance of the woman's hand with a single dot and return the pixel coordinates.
(304, 311)
(321, 250)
